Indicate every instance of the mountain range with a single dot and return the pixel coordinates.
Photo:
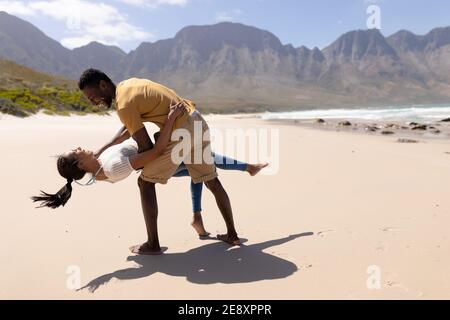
(234, 67)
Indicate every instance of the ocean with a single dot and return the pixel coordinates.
(422, 114)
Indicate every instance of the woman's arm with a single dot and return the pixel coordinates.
(139, 160)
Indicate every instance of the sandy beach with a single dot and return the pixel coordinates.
(341, 204)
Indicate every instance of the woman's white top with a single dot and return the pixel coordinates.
(115, 160)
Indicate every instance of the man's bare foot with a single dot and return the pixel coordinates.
(231, 240)
(197, 224)
(254, 169)
(146, 249)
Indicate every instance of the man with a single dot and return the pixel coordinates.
(138, 101)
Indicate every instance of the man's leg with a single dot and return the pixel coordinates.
(150, 209)
(205, 171)
(223, 202)
(160, 171)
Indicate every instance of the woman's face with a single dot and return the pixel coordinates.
(85, 159)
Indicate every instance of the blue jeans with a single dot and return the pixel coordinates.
(221, 162)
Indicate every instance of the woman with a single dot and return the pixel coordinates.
(118, 162)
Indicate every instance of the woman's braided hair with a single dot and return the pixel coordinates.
(67, 168)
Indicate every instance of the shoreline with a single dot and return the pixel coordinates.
(404, 131)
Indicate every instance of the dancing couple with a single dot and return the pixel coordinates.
(138, 101)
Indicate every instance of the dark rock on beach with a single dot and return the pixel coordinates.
(387, 132)
(320, 121)
(445, 120)
(420, 127)
(345, 123)
(371, 128)
(393, 126)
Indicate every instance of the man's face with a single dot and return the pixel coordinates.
(99, 96)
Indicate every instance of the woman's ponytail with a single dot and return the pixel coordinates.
(55, 200)
(67, 168)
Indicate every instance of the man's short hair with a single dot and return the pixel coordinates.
(92, 77)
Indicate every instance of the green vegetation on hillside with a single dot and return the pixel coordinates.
(23, 101)
(24, 91)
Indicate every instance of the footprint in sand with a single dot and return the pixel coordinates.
(382, 247)
(389, 229)
(416, 293)
(323, 233)
(393, 284)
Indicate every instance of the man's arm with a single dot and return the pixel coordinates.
(120, 137)
(143, 140)
(132, 120)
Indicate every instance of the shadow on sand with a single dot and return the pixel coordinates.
(211, 263)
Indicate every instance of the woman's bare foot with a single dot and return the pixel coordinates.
(232, 240)
(254, 169)
(146, 249)
(197, 224)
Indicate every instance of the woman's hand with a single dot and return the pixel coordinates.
(176, 110)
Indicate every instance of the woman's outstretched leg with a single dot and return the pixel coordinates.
(226, 163)
(254, 169)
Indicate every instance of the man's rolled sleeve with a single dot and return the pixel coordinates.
(131, 119)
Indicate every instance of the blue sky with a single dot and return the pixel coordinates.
(127, 23)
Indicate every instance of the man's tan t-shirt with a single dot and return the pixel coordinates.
(142, 100)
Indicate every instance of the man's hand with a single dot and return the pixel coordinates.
(120, 137)
(176, 110)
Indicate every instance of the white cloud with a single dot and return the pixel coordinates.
(75, 42)
(16, 7)
(228, 15)
(155, 3)
(85, 21)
